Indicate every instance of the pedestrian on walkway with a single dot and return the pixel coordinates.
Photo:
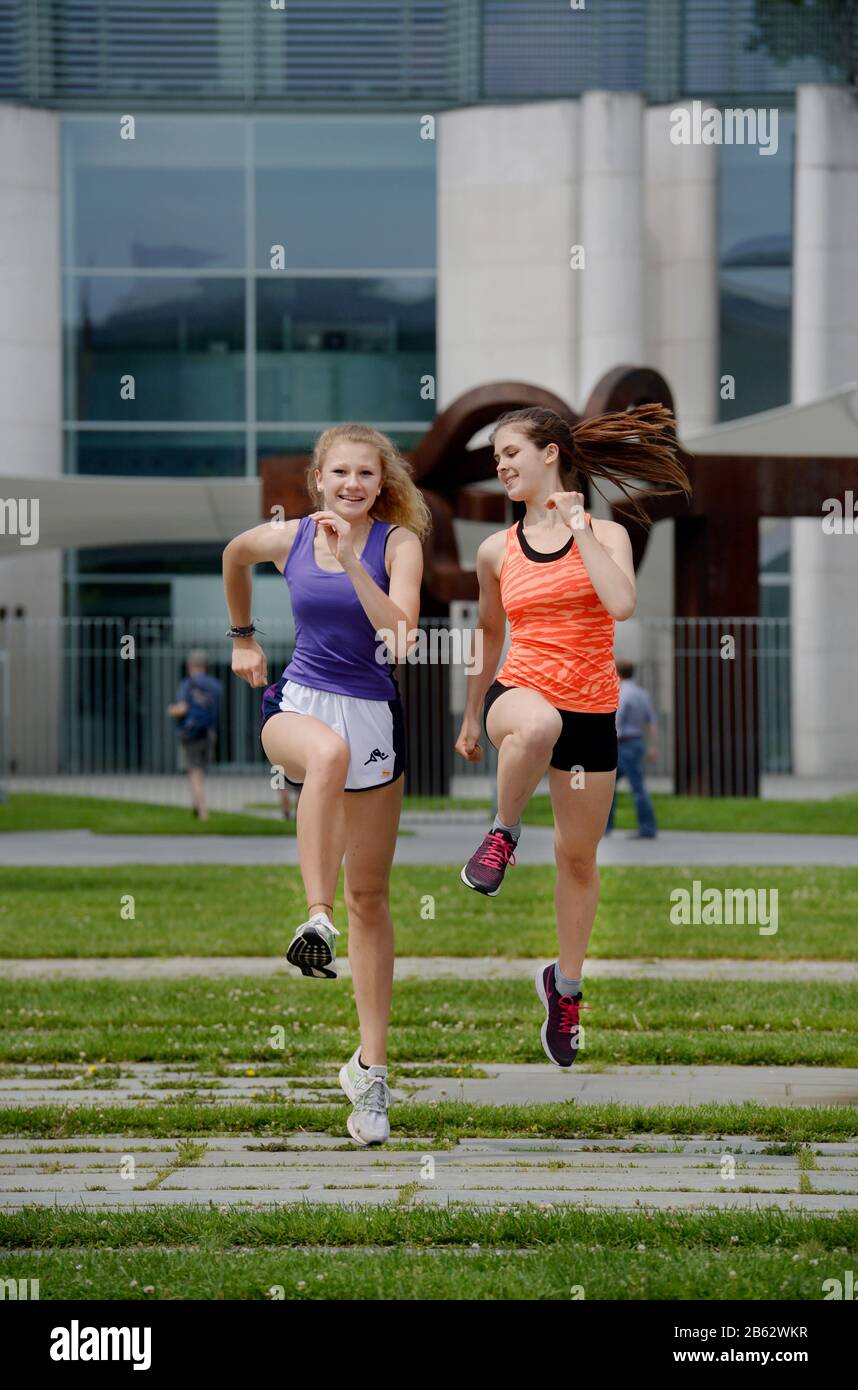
(334, 721)
(197, 706)
(637, 741)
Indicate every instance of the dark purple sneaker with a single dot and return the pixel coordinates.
(484, 870)
(561, 1029)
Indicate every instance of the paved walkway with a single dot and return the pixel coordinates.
(651, 1172)
(423, 968)
(435, 844)
(497, 1084)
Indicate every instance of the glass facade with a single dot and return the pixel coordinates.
(755, 252)
(233, 285)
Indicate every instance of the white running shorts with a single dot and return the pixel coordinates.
(373, 729)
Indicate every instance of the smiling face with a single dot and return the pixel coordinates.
(526, 471)
(349, 479)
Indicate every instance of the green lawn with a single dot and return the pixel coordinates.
(444, 1122)
(528, 1252)
(236, 910)
(455, 1021)
(837, 816)
(39, 811)
(454, 1228)
(577, 1269)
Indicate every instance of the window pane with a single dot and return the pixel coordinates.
(755, 201)
(138, 453)
(755, 235)
(181, 340)
(756, 339)
(340, 349)
(345, 195)
(173, 196)
(190, 558)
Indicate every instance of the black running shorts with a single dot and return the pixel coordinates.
(588, 741)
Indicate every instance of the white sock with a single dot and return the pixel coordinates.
(513, 830)
(377, 1065)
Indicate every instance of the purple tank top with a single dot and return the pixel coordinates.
(335, 642)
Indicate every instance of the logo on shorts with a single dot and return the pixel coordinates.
(376, 755)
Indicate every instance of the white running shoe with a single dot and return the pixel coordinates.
(368, 1091)
(313, 947)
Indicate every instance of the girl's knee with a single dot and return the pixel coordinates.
(577, 863)
(370, 903)
(330, 761)
(539, 732)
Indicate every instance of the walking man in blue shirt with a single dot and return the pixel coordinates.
(197, 707)
(635, 714)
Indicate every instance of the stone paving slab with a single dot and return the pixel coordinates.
(67, 1168)
(440, 844)
(501, 1084)
(239, 1172)
(425, 968)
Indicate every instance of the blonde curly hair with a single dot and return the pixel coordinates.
(400, 500)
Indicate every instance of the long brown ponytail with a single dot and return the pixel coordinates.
(629, 446)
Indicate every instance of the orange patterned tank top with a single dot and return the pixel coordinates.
(562, 639)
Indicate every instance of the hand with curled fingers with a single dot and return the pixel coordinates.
(339, 535)
(570, 507)
(249, 661)
(468, 742)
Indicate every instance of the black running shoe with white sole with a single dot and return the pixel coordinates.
(313, 947)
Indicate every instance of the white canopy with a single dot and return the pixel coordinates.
(826, 426)
(77, 512)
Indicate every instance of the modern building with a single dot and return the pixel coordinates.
(226, 225)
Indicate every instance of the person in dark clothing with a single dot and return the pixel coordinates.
(197, 706)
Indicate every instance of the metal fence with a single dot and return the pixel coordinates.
(83, 705)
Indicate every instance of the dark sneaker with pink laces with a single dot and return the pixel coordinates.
(561, 1029)
(484, 870)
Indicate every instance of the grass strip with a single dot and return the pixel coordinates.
(296, 1022)
(106, 816)
(23, 811)
(445, 1122)
(518, 1225)
(222, 910)
(555, 1274)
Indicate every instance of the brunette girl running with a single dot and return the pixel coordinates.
(562, 580)
(333, 721)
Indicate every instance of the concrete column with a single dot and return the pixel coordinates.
(611, 222)
(507, 218)
(824, 357)
(30, 404)
(681, 326)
